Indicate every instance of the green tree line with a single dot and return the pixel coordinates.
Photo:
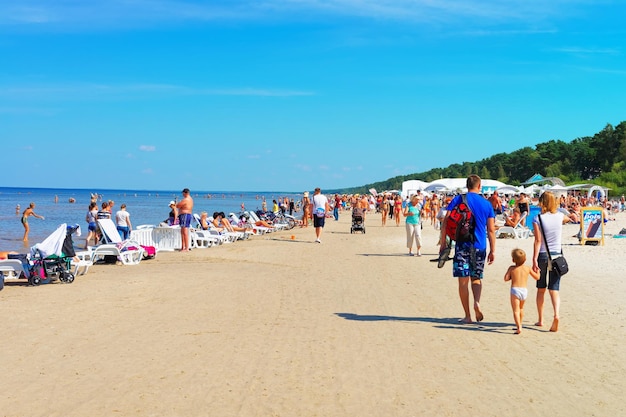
(598, 159)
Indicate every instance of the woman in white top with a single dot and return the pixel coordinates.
(552, 220)
(122, 219)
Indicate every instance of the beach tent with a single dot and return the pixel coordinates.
(530, 190)
(538, 178)
(489, 186)
(534, 179)
(437, 187)
(508, 189)
(448, 185)
(557, 190)
(600, 191)
(411, 187)
(588, 187)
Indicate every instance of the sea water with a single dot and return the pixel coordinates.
(145, 207)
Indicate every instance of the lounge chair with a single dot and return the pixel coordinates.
(12, 269)
(223, 237)
(85, 260)
(202, 239)
(257, 230)
(129, 252)
(519, 231)
(275, 226)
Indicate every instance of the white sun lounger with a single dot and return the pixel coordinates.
(11, 269)
(518, 231)
(129, 252)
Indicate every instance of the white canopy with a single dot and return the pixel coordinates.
(508, 189)
(445, 185)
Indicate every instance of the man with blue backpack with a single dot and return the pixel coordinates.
(470, 222)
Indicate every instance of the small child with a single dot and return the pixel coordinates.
(518, 275)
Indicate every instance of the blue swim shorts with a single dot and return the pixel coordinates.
(185, 219)
(92, 227)
(463, 265)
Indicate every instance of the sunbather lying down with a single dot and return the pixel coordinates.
(221, 222)
(245, 220)
(5, 254)
(263, 223)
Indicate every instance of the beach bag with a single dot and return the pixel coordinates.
(461, 222)
(320, 212)
(559, 265)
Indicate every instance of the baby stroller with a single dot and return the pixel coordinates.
(51, 259)
(358, 223)
(47, 261)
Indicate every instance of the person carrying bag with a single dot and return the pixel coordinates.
(548, 231)
(558, 264)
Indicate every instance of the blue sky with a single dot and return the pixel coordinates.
(287, 95)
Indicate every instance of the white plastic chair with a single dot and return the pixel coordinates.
(519, 231)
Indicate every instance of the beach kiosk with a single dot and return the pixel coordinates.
(592, 225)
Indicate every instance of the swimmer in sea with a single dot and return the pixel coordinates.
(25, 215)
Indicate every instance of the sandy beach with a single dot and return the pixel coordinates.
(276, 326)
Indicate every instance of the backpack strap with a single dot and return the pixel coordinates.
(464, 197)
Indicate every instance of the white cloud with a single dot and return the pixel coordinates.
(81, 91)
(82, 14)
(603, 70)
(262, 92)
(28, 111)
(588, 51)
(147, 148)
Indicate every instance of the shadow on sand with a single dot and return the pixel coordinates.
(440, 323)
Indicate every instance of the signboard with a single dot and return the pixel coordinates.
(592, 224)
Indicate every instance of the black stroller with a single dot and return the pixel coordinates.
(358, 220)
(51, 259)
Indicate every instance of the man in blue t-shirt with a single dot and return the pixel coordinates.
(469, 257)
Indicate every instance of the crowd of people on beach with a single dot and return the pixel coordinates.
(490, 211)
